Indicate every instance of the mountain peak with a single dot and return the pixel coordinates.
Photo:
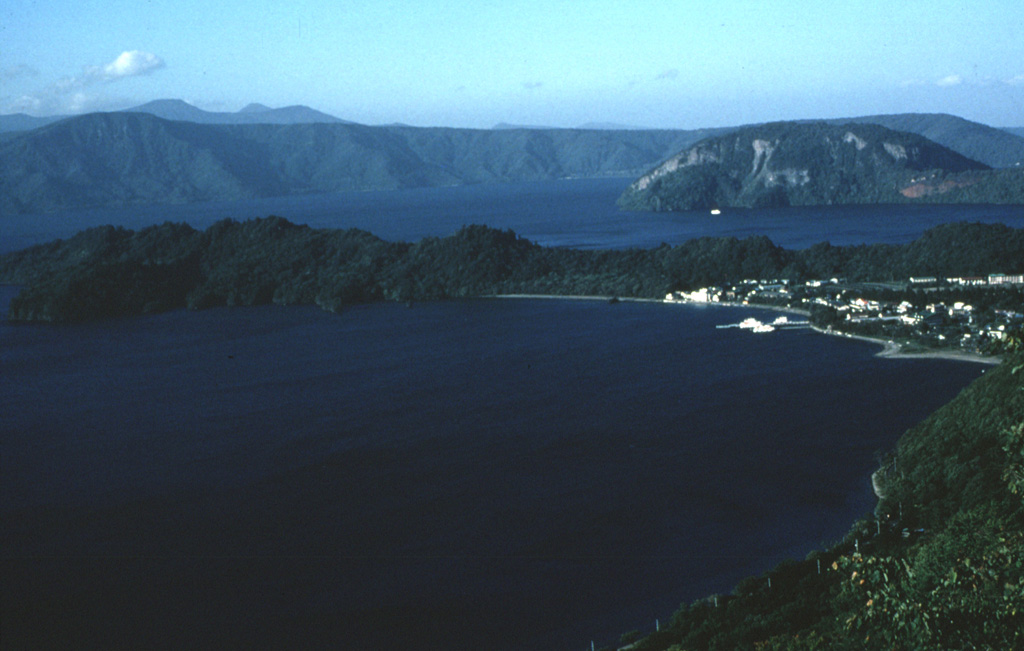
(255, 107)
(171, 109)
(166, 103)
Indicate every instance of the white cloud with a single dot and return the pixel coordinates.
(531, 85)
(672, 73)
(134, 63)
(1016, 81)
(131, 64)
(70, 95)
(951, 80)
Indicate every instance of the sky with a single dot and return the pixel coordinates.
(681, 64)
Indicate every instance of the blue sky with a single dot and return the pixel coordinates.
(679, 64)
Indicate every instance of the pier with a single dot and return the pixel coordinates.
(755, 325)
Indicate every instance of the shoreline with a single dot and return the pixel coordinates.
(890, 349)
(894, 350)
(576, 297)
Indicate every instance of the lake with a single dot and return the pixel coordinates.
(500, 474)
(493, 473)
(578, 213)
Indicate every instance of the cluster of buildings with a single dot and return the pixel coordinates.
(991, 279)
(945, 321)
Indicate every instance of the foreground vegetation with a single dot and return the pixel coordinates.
(940, 565)
(110, 272)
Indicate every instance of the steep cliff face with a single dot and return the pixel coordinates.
(794, 164)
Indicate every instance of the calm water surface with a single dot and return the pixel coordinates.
(502, 474)
(482, 474)
(577, 213)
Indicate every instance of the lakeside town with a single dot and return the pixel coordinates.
(977, 315)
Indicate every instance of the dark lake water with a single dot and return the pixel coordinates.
(486, 474)
(578, 213)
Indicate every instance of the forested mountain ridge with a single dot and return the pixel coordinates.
(976, 141)
(210, 156)
(800, 163)
(120, 159)
(108, 272)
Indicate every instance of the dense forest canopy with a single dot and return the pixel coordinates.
(109, 271)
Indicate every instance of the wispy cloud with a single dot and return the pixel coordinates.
(17, 72)
(671, 73)
(1015, 81)
(72, 94)
(531, 85)
(944, 82)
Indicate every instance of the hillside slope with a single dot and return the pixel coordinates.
(796, 163)
(119, 159)
(940, 565)
(976, 141)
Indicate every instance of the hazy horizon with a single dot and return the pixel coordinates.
(552, 63)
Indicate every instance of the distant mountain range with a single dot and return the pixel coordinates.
(169, 151)
(819, 163)
(128, 158)
(176, 109)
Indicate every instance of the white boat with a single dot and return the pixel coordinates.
(750, 322)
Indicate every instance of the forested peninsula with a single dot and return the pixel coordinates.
(110, 271)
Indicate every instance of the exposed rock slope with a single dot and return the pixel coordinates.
(789, 163)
